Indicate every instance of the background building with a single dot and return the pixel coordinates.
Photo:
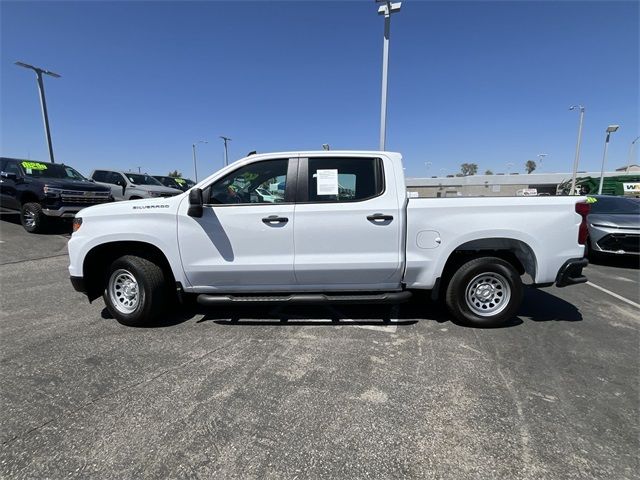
(498, 185)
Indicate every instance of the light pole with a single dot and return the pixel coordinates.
(631, 147)
(195, 163)
(575, 161)
(428, 165)
(443, 171)
(43, 101)
(326, 147)
(541, 157)
(610, 130)
(226, 153)
(509, 167)
(386, 9)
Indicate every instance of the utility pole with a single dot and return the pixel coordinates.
(577, 158)
(195, 163)
(226, 152)
(386, 9)
(610, 130)
(43, 101)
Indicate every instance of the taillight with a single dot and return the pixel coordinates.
(582, 209)
(77, 222)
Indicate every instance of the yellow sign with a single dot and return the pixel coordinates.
(34, 166)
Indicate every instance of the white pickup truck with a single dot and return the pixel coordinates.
(330, 226)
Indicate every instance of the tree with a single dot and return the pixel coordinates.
(488, 172)
(175, 174)
(468, 169)
(530, 166)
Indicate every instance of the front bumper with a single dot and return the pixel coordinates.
(63, 212)
(571, 272)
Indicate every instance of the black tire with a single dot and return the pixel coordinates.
(32, 218)
(497, 295)
(150, 285)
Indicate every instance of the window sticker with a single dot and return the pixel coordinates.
(179, 181)
(327, 182)
(31, 166)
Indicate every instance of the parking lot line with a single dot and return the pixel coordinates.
(619, 297)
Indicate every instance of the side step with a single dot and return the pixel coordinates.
(209, 300)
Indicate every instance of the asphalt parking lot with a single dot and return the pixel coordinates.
(314, 392)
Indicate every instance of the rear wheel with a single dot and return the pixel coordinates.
(32, 218)
(485, 292)
(136, 292)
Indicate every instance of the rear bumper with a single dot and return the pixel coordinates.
(78, 284)
(571, 272)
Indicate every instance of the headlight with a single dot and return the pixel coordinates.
(52, 191)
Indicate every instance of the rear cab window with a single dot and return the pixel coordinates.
(337, 180)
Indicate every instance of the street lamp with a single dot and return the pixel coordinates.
(195, 164)
(326, 147)
(386, 9)
(610, 130)
(577, 158)
(631, 147)
(43, 102)
(226, 154)
(509, 166)
(428, 165)
(541, 157)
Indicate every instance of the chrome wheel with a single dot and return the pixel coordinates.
(488, 294)
(29, 218)
(123, 291)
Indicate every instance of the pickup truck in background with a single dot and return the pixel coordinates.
(337, 228)
(43, 191)
(132, 186)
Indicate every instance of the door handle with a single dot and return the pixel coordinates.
(379, 218)
(274, 219)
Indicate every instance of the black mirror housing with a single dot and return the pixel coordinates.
(195, 203)
(9, 175)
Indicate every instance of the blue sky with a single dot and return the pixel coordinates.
(483, 82)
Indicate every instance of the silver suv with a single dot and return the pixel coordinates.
(132, 186)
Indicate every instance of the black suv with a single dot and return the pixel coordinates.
(42, 190)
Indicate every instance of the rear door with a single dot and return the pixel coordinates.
(244, 239)
(348, 224)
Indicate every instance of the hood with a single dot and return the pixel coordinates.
(79, 185)
(620, 220)
(131, 207)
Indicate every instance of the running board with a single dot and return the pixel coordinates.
(209, 300)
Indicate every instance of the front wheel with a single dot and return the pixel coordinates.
(485, 292)
(32, 218)
(136, 291)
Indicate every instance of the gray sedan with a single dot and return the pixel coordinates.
(614, 225)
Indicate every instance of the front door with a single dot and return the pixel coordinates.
(349, 227)
(244, 239)
(8, 191)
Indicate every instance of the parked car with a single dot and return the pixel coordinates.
(132, 186)
(172, 182)
(363, 243)
(614, 225)
(43, 191)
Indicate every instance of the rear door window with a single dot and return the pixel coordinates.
(344, 179)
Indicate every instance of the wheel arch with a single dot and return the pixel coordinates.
(97, 261)
(514, 251)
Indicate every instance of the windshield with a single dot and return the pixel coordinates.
(51, 170)
(141, 179)
(614, 205)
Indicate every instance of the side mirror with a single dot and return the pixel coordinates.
(9, 175)
(195, 203)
